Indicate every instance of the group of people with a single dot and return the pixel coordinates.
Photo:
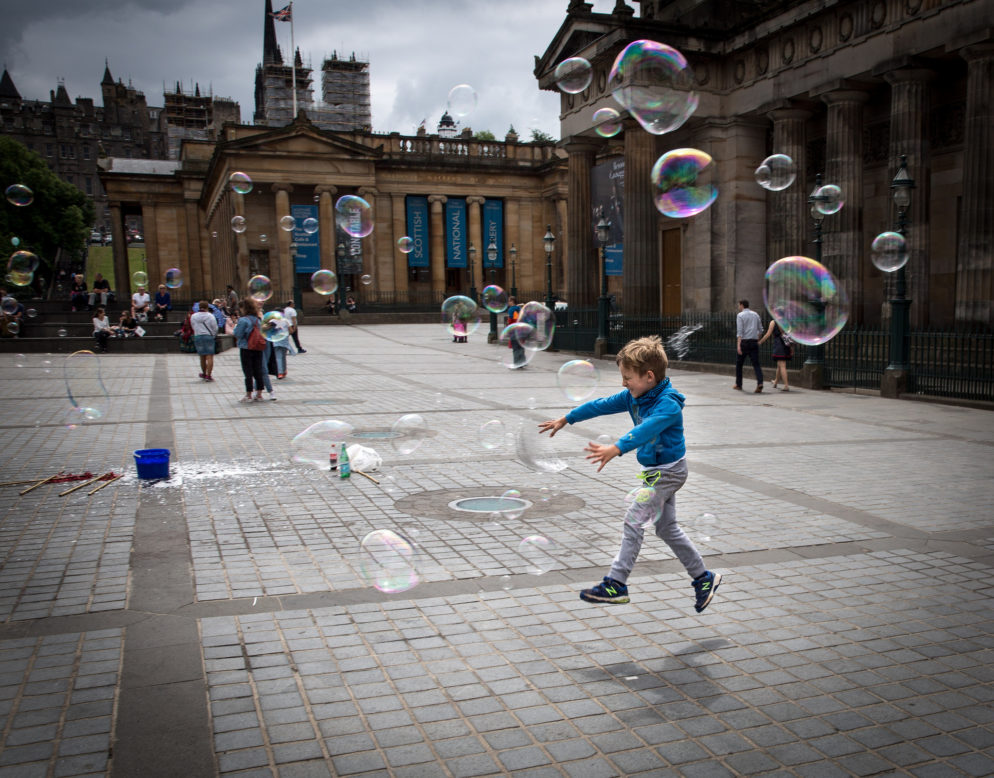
(258, 364)
(749, 336)
(350, 305)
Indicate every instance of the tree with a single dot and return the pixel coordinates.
(541, 137)
(484, 135)
(60, 215)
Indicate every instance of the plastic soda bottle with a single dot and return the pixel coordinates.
(344, 469)
(333, 458)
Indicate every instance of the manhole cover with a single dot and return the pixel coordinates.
(456, 505)
(490, 504)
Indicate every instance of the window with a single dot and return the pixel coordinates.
(49, 149)
(86, 152)
(63, 151)
(89, 185)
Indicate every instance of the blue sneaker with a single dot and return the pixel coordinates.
(705, 587)
(608, 590)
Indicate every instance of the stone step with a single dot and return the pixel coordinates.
(150, 344)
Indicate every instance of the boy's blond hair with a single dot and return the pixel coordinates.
(643, 355)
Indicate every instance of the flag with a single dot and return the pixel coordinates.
(285, 14)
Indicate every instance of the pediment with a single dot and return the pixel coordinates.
(300, 141)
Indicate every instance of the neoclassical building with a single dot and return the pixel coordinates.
(844, 88)
(454, 197)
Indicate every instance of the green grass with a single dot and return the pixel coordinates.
(101, 260)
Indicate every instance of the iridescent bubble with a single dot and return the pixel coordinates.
(573, 75)
(238, 224)
(9, 305)
(275, 327)
(643, 507)
(15, 241)
(577, 379)
(324, 282)
(492, 434)
(411, 430)
(21, 266)
(607, 122)
(240, 182)
(214, 234)
(310, 225)
(516, 505)
(535, 451)
(655, 84)
(174, 278)
(20, 360)
(139, 278)
(544, 494)
(312, 446)
(405, 245)
(514, 355)
(532, 403)
(462, 100)
(494, 299)
(539, 552)
(260, 288)
(31, 313)
(354, 216)
(806, 300)
(889, 251)
(604, 440)
(829, 199)
(682, 183)
(776, 172)
(85, 390)
(287, 223)
(365, 279)
(707, 526)
(263, 238)
(19, 194)
(388, 562)
(543, 323)
(13, 328)
(460, 308)
(62, 332)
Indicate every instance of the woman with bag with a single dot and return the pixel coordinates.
(783, 350)
(251, 346)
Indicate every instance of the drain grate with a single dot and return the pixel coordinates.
(490, 504)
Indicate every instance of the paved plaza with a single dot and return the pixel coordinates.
(218, 622)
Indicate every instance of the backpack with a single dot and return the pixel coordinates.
(256, 340)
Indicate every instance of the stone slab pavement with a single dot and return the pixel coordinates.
(220, 622)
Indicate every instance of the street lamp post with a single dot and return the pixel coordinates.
(603, 302)
(492, 264)
(549, 241)
(896, 375)
(339, 258)
(814, 363)
(472, 261)
(514, 278)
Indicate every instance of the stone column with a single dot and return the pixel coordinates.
(909, 135)
(400, 272)
(787, 211)
(843, 246)
(476, 239)
(283, 283)
(437, 243)
(974, 269)
(512, 221)
(369, 244)
(326, 226)
(641, 246)
(241, 248)
(581, 260)
(198, 272)
(122, 274)
(153, 250)
(558, 222)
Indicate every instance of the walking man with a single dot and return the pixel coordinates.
(290, 314)
(748, 328)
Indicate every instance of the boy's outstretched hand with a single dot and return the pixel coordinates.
(601, 454)
(552, 427)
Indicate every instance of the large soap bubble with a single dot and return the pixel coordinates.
(324, 282)
(240, 183)
(806, 300)
(410, 430)
(462, 100)
(88, 397)
(238, 224)
(405, 244)
(313, 446)
(573, 75)
(607, 122)
(388, 561)
(682, 182)
(539, 552)
(829, 199)
(889, 251)
(643, 506)
(460, 308)
(275, 327)
(494, 298)
(139, 278)
(514, 355)
(354, 216)
(287, 223)
(310, 225)
(578, 379)
(19, 195)
(543, 323)
(536, 452)
(655, 84)
(260, 288)
(776, 172)
(174, 278)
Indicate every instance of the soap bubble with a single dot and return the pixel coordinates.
(240, 182)
(388, 561)
(62, 332)
(19, 194)
(806, 300)
(829, 200)
(460, 308)
(607, 122)
(9, 305)
(643, 506)
(519, 333)
(543, 324)
(275, 327)
(539, 552)
(678, 344)
(85, 390)
(365, 279)
(462, 100)
(354, 216)
(573, 75)
(31, 313)
(13, 328)
(494, 298)
(139, 278)
(260, 288)
(578, 379)
(15, 241)
(412, 431)
(174, 278)
(238, 224)
(776, 172)
(604, 440)
(263, 238)
(535, 451)
(889, 251)
(310, 225)
(532, 403)
(22, 264)
(492, 434)
(405, 245)
(313, 445)
(324, 282)
(682, 183)
(287, 223)
(516, 504)
(214, 234)
(655, 84)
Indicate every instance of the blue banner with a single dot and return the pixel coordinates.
(455, 232)
(493, 231)
(607, 194)
(613, 260)
(417, 230)
(307, 258)
(351, 262)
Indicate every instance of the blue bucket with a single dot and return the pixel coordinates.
(152, 462)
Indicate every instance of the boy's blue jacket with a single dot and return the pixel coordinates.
(658, 417)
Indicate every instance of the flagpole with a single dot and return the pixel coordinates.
(293, 64)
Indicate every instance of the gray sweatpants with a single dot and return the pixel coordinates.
(664, 498)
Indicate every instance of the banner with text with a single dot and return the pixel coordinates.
(456, 239)
(417, 230)
(493, 231)
(307, 257)
(607, 192)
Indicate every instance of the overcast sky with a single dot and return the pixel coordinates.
(417, 51)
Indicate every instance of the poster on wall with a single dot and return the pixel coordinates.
(417, 230)
(307, 257)
(607, 196)
(493, 231)
(455, 232)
